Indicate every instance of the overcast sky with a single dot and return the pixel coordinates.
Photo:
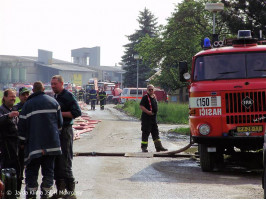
(62, 25)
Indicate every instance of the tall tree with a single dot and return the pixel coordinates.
(178, 41)
(147, 26)
(245, 15)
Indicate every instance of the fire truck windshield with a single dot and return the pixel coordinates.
(230, 66)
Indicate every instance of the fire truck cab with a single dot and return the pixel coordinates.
(227, 98)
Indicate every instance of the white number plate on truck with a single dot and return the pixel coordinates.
(203, 102)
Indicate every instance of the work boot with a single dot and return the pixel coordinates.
(31, 193)
(60, 186)
(158, 146)
(70, 187)
(144, 147)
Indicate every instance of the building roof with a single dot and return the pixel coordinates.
(65, 65)
(117, 69)
(61, 65)
(12, 58)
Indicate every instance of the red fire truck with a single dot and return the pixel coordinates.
(227, 98)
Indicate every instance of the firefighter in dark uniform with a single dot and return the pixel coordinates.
(93, 98)
(9, 140)
(75, 92)
(102, 97)
(149, 107)
(81, 94)
(63, 173)
(24, 93)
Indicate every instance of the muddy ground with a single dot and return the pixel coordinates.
(152, 178)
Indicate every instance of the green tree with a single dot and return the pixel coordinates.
(147, 26)
(178, 41)
(245, 15)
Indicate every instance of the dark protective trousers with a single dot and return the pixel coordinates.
(10, 159)
(93, 102)
(102, 104)
(63, 163)
(149, 125)
(32, 171)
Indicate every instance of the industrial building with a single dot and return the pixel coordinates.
(90, 58)
(26, 69)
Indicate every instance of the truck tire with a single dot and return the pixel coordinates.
(207, 159)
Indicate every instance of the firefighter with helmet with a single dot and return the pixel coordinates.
(102, 97)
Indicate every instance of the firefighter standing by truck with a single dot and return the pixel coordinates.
(93, 98)
(149, 107)
(102, 97)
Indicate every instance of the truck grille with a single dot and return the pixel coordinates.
(253, 112)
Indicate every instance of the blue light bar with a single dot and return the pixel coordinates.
(207, 43)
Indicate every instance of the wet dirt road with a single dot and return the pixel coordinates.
(150, 178)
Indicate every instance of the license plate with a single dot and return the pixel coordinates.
(242, 129)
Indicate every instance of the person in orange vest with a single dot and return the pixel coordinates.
(149, 107)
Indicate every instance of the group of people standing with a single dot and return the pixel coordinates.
(101, 96)
(36, 133)
(93, 97)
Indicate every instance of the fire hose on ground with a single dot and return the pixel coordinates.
(140, 154)
(85, 124)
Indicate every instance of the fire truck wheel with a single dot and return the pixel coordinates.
(207, 159)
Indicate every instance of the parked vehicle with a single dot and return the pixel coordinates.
(48, 90)
(68, 86)
(227, 98)
(117, 95)
(112, 91)
(160, 94)
(131, 94)
(92, 83)
(108, 88)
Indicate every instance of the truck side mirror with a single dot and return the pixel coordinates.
(183, 70)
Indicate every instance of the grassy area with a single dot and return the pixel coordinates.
(183, 131)
(172, 113)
